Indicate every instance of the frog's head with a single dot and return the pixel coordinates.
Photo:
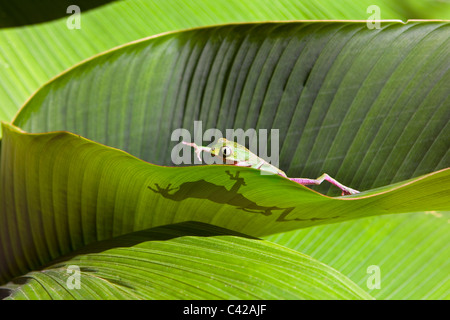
(230, 151)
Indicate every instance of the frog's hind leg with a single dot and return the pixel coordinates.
(345, 190)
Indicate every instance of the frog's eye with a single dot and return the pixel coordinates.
(225, 151)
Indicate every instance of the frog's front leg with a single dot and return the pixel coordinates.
(345, 190)
(197, 149)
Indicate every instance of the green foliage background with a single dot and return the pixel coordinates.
(41, 65)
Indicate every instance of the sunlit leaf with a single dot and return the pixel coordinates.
(412, 252)
(61, 192)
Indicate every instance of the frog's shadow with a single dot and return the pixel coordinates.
(202, 189)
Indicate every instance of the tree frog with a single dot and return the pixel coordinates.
(236, 154)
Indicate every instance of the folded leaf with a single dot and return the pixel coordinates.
(60, 192)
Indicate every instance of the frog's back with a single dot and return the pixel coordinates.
(267, 167)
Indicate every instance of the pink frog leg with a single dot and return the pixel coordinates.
(242, 164)
(345, 190)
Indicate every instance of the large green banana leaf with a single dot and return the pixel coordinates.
(369, 107)
(31, 55)
(61, 192)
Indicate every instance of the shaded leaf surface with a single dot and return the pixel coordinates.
(368, 107)
(32, 55)
(27, 12)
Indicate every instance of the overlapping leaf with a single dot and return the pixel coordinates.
(185, 261)
(61, 192)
